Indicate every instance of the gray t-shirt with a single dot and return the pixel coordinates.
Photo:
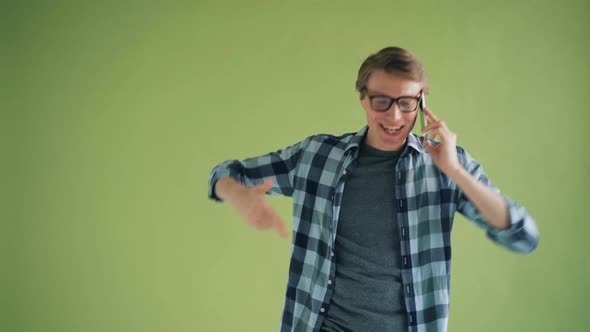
(368, 292)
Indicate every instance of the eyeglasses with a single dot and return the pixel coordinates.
(405, 104)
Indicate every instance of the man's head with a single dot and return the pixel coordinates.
(390, 73)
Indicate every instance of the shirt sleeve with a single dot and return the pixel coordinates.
(522, 236)
(280, 166)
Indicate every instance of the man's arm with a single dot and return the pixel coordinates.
(244, 183)
(506, 222)
(491, 204)
(278, 166)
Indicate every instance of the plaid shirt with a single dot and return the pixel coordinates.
(314, 173)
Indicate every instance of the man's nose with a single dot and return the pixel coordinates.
(394, 112)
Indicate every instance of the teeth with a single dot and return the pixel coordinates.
(392, 129)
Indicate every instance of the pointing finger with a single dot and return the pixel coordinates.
(281, 228)
(430, 115)
(276, 222)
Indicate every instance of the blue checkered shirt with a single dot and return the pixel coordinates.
(314, 173)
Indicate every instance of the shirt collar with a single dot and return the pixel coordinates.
(357, 139)
(414, 143)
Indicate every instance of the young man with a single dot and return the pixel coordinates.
(373, 210)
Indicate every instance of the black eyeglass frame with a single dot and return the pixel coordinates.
(395, 100)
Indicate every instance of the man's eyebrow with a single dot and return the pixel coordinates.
(373, 92)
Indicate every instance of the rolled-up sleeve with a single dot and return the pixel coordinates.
(522, 236)
(280, 166)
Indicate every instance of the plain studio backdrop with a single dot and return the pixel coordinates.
(114, 114)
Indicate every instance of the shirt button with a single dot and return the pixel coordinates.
(332, 253)
(329, 281)
(344, 172)
(322, 310)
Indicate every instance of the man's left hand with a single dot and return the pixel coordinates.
(444, 154)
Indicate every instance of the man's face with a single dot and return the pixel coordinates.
(389, 130)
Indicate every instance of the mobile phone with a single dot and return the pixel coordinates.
(423, 116)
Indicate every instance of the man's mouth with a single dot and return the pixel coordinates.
(391, 130)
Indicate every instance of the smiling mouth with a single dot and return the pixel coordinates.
(391, 130)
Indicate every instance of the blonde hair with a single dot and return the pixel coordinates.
(394, 60)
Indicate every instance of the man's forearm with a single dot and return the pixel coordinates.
(489, 203)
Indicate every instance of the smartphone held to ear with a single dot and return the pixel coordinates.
(423, 116)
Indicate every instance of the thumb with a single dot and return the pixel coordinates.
(428, 146)
(265, 186)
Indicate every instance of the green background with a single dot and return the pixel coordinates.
(114, 114)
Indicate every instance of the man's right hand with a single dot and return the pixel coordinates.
(251, 204)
